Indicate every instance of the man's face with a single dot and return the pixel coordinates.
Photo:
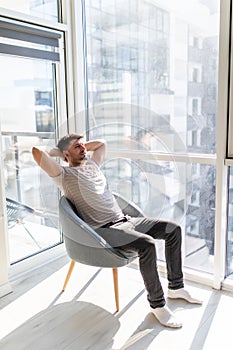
(76, 152)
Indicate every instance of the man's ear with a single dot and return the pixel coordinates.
(65, 154)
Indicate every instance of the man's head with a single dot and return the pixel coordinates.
(73, 149)
(64, 142)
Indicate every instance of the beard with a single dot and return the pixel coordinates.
(84, 156)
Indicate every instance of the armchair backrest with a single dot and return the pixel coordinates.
(84, 245)
(128, 207)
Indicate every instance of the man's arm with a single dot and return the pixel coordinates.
(98, 147)
(46, 162)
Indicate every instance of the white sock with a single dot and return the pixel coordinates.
(166, 317)
(183, 294)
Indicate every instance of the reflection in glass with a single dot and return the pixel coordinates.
(200, 218)
(162, 55)
(152, 70)
(177, 192)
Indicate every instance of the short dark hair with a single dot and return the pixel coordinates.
(64, 142)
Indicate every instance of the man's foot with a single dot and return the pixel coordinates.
(183, 294)
(166, 317)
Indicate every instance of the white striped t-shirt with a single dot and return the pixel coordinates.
(86, 187)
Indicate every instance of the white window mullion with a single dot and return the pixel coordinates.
(5, 286)
(230, 128)
(61, 87)
(221, 170)
(75, 66)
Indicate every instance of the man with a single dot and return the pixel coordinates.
(83, 183)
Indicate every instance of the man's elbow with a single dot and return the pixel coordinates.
(102, 143)
(37, 155)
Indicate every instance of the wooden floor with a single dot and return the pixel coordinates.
(36, 316)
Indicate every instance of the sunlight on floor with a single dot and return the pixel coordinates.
(83, 317)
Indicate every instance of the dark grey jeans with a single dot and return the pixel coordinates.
(139, 234)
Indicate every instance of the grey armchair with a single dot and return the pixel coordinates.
(84, 245)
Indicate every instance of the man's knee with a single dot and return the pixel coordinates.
(147, 243)
(173, 228)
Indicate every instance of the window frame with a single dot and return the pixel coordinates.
(218, 160)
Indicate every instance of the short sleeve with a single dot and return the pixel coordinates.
(58, 179)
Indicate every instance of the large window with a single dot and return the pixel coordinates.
(152, 81)
(29, 112)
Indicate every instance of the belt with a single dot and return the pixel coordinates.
(123, 219)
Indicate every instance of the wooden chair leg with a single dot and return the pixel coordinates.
(116, 290)
(68, 274)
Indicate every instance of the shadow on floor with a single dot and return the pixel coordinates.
(71, 326)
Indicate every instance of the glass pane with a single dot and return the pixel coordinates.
(158, 54)
(28, 119)
(200, 219)
(229, 265)
(152, 88)
(169, 190)
(46, 9)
